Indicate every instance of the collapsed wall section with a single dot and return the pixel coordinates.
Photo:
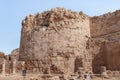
(53, 39)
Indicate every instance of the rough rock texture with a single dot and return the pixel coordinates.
(105, 41)
(10, 62)
(54, 39)
(15, 54)
(105, 24)
(2, 56)
(105, 51)
(62, 41)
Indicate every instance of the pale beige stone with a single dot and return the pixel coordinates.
(64, 42)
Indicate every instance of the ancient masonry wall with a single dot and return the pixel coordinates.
(54, 39)
(105, 24)
(105, 41)
(63, 41)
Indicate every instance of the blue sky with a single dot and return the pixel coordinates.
(12, 12)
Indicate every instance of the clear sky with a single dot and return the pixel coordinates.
(12, 12)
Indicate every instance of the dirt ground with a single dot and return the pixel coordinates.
(28, 76)
(16, 77)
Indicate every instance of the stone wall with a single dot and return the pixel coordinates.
(105, 52)
(105, 24)
(2, 56)
(112, 51)
(15, 54)
(54, 38)
(105, 41)
(62, 41)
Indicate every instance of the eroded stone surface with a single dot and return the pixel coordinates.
(54, 41)
(59, 38)
(67, 44)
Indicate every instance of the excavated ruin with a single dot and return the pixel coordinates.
(61, 41)
(54, 40)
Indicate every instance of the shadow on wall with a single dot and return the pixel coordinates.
(100, 58)
(108, 56)
(78, 63)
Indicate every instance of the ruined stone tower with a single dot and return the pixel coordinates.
(56, 37)
(62, 41)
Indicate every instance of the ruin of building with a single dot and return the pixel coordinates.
(61, 41)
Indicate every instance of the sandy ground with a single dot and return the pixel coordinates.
(28, 76)
(16, 77)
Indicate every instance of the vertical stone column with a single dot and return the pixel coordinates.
(3, 67)
(71, 65)
(81, 72)
(14, 66)
(103, 71)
